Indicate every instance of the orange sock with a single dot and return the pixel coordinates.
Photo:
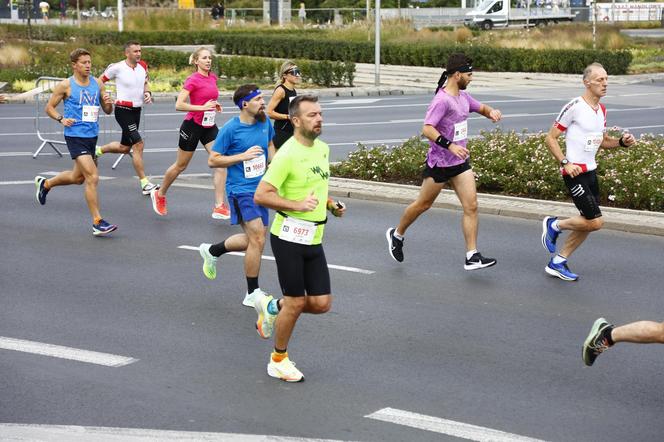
(97, 220)
(278, 357)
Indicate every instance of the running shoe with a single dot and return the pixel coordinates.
(284, 370)
(158, 202)
(250, 298)
(42, 191)
(560, 271)
(265, 322)
(595, 343)
(209, 261)
(394, 245)
(221, 212)
(477, 261)
(103, 228)
(549, 235)
(149, 187)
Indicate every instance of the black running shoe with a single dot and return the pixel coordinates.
(477, 261)
(394, 245)
(41, 191)
(595, 343)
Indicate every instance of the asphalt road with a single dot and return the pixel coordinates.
(497, 348)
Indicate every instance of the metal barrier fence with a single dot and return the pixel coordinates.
(50, 132)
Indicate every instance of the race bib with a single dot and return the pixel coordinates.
(208, 118)
(460, 131)
(593, 141)
(254, 168)
(297, 231)
(90, 114)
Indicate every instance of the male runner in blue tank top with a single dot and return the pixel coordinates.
(83, 95)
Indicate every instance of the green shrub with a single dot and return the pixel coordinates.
(521, 165)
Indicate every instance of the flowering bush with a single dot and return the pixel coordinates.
(520, 165)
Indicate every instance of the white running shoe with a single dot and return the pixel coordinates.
(284, 370)
(250, 298)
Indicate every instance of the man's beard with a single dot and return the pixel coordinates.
(463, 85)
(311, 134)
(260, 116)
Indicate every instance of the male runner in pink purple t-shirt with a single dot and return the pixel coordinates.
(446, 127)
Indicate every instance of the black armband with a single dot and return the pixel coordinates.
(443, 142)
(621, 142)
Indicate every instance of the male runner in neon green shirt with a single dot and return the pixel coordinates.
(296, 186)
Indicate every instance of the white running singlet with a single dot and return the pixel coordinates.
(129, 82)
(584, 128)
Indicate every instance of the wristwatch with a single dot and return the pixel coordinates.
(564, 162)
(59, 119)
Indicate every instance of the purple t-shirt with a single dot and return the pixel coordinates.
(201, 90)
(448, 114)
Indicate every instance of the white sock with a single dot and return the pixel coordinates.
(555, 226)
(559, 259)
(397, 235)
(470, 253)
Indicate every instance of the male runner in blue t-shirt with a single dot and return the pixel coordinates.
(244, 146)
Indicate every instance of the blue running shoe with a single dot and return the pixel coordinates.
(103, 228)
(549, 236)
(42, 191)
(560, 271)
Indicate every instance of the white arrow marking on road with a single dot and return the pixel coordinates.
(27, 432)
(271, 258)
(58, 351)
(444, 426)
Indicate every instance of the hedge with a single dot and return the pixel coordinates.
(94, 36)
(301, 44)
(53, 61)
(485, 58)
(515, 164)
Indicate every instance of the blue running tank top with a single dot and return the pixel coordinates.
(83, 106)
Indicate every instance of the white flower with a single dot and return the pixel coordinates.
(612, 197)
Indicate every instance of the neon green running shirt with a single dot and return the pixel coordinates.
(297, 171)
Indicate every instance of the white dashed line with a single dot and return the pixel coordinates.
(271, 258)
(58, 351)
(444, 426)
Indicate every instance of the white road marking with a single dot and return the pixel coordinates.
(77, 433)
(271, 258)
(10, 183)
(444, 426)
(58, 351)
(353, 101)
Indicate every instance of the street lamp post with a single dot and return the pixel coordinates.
(120, 16)
(377, 45)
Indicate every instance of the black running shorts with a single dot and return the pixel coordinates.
(191, 133)
(444, 174)
(129, 119)
(301, 268)
(584, 190)
(81, 146)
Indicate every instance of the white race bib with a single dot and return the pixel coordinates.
(460, 131)
(255, 167)
(208, 118)
(298, 231)
(593, 141)
(90, 114)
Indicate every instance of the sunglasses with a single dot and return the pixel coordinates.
(294, 71)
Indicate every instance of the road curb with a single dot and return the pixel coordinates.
(624, 220)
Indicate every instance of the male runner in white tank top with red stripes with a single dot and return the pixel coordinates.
(584, 121)
(131, 84)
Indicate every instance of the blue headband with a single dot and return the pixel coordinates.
(248, 97)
